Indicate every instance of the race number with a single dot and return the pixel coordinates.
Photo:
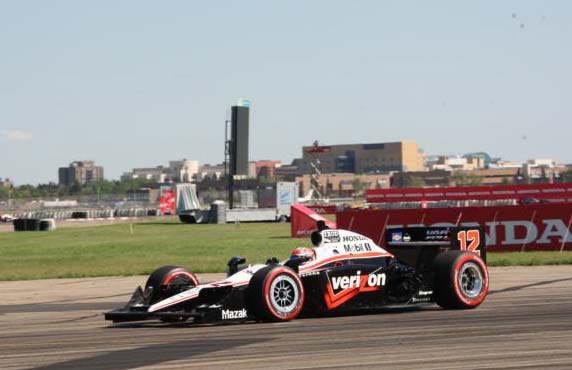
(469, 240)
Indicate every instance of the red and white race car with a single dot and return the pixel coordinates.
(344, 271)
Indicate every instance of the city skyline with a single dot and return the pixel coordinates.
(135, 84)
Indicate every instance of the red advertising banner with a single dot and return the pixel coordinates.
(303, 221)
(167, 202)
(507, 228)
(559, 192)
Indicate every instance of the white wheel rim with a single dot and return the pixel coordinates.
(284, 294)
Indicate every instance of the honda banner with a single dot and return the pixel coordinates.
(507, 228)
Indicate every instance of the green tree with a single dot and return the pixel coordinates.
(467, 179)
(566, 176)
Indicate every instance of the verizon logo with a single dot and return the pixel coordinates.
(357, 281)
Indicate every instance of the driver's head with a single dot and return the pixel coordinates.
(302, 252)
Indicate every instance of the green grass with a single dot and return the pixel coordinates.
(529, 258)
(114, 250)
(123, 249)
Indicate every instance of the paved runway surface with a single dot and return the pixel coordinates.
(525, 323)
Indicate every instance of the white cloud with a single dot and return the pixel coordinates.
(15, 135)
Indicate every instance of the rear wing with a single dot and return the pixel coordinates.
(471, 239)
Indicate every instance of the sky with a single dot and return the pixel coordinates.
(138, 83)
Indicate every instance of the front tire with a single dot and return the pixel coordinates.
(275, 293)
(167, 281)
(461, 280)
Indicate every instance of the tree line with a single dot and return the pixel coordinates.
(52, 190)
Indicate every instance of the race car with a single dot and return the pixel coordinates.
(343, 271)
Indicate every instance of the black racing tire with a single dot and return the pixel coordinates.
(275, 293)
(167, 281)
(461, 280)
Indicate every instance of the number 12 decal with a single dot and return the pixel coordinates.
(470, 237)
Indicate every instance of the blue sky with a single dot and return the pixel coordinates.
(137, 83)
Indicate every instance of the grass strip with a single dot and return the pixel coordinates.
(134, 249)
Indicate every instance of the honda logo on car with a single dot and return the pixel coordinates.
(231, 315)
(356, 281)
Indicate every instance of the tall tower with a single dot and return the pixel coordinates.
(236, 149)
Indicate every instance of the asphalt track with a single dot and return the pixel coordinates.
(525, 323)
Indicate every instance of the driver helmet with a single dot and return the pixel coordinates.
(302, 252)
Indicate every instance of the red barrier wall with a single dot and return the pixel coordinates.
(324, 209)
(303, 221)
(508, 228)
(561, 192)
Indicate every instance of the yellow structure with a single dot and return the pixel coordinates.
(364, 158)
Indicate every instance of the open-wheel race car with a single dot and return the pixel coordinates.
(344, 271)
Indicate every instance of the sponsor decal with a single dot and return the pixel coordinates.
(234, 314)
(397, 237)
(330, 236)
(311, 273)
(357, 247)
(343, 288)
(353, 238)
(355, 281)
(437, 235)
(420, 299)
(422, 296)
(406, 237)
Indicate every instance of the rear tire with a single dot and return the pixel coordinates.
(461, 280)
(275, 293)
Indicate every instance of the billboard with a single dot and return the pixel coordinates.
(507, 228)
(555, 192)
(167, 201)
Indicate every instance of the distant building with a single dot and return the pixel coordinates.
(454, 163)
(344, 184)
(286, 173)
(80, 172)
(266, 168)
(434, 178)
(211, 171)
(490, 176)
(6, 183)
(159, 174)
(178, 171)
(363, 158)
(539, 170)
(183, 171)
